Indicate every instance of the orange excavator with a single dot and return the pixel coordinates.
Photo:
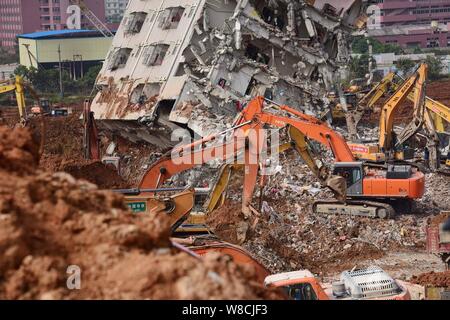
(360, 189)
(371, 283)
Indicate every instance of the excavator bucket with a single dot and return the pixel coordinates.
(339, 187)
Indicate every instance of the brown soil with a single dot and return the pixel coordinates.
(433, 279)
(439, 90)
(437, 220)
(50, 221)
(226, 220)
(104, 176)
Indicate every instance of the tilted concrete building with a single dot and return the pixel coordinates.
(193, 63)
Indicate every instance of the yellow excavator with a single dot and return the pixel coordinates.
(18, 85)
(386, 149)
(428, 113)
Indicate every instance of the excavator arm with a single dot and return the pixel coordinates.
(367, 103)
(419, 107)
(18, 87)
(249, 145)
(242, 149)
(299, 143)
(386, 137)
(310, 127)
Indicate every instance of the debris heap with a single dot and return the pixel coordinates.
(288, 236)
(433, 279)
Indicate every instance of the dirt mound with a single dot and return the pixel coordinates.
(433, 279)
(104, 176)
(229, 223)
(288, 236)
(439, 90)
(18, 151)
(53, 226)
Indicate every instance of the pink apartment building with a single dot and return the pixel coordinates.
(403, 12)
(26, 16)
(408, 23)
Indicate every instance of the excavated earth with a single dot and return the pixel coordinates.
(52, 225)
(433, 279)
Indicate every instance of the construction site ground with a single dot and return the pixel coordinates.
(284, 236)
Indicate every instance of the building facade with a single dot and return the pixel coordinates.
(114, 10)
(26, 16)
(411, 24)
(16, 17)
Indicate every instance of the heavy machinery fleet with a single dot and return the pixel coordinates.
(369, 283)
(428, 113)
(360, 188)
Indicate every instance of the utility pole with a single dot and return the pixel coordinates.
(61, 89)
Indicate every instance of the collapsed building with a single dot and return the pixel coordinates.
(193, 63)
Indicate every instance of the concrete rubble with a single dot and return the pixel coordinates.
(288, 236)
(194, 63)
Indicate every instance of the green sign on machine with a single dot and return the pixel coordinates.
(137, 207)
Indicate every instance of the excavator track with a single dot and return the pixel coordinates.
(360, 208)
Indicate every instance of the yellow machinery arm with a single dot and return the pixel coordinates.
(419, 106)
(367, 103)
(440, 112)
(417, 80)
(18, 87)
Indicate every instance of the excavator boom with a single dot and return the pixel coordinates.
(374, 184)
(416, 81)
(18, 88)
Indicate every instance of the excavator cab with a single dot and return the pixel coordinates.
(353, 173)
(301, 291)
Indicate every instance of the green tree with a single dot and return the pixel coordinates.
(405, 65)
(435, 66)
(9, 55)
(359, 66)
(46, 81)
(360, 46)
(88, 80)
(417, 50)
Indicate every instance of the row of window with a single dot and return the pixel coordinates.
(433, 10)
(168, 19)
(153, 55)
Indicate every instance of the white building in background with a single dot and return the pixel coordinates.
(7, 71)
(114, 10)
(386, 62)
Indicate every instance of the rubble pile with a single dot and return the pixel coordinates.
(52, 225)
(288, 236)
